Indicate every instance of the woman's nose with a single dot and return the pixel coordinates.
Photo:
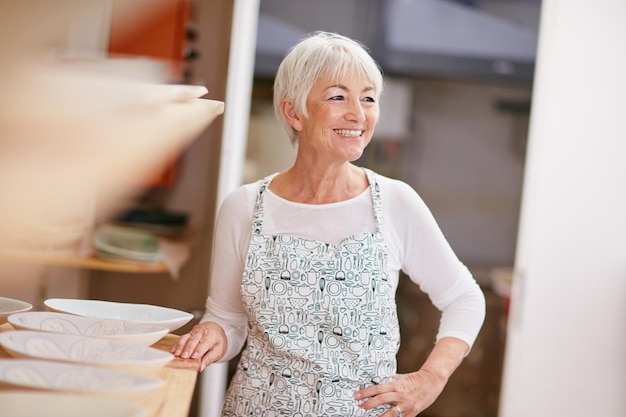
(356, 112)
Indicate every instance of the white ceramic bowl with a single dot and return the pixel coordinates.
(84, 350)
(39, 404)
(67, 377)
(140, 313)
(9, 306)
(121, 330)
(127, 243)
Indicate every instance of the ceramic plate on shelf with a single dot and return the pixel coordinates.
(116, 258)
(9, 306)
(58, 376)
(140, 313)
(128, 243)
(48, 404)
(124, 331)
(83, 350)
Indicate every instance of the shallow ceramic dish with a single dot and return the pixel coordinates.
(140, 313)
(9, 306)
(121, 330)
(84, 350)
(40, 404)
(128, 243)
(58, 376)
(117, 258)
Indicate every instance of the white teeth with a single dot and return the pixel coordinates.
(345, 132)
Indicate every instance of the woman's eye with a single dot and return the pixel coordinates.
(337, 97)
(369, 99)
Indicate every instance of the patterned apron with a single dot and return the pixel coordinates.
(322, 323)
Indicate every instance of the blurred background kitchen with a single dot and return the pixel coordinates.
(533, 205)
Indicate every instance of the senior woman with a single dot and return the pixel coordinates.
(307, 262)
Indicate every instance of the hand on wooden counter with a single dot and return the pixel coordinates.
(205, 343)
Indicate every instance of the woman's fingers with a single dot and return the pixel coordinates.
(177, 350)
(371, 391)
(197, 345)
(377, 395)
(187, 343)
(205, 342)
(213, 355)
(411, 393)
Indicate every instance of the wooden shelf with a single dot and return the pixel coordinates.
(176, 252)
(89, 262)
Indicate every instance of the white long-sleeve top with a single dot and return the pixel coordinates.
(415, 245)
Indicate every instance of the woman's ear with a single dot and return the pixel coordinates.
(292, 116)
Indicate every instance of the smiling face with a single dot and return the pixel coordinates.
(342, 114)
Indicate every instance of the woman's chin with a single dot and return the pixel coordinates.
(355, 155)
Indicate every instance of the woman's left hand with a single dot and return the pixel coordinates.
(408, 394)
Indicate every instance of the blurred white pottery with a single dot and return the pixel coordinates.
(84, 350)
(128, 243)
(9, 306)
(121, 330)
(67, 377)
(40, 404)
(140, 313)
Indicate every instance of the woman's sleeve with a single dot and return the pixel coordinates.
(230, 245)
(428, 259)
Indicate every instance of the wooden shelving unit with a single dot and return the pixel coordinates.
(177, 254)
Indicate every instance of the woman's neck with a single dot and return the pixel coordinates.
(319, 184)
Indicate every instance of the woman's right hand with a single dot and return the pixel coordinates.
(206, 342)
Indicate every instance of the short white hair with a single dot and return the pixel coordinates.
(319, 53)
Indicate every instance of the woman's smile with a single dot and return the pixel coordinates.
(349, 133)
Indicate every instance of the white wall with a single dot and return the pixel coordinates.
(566, 348)
(268, 147)
(463, 158)
(234, 136)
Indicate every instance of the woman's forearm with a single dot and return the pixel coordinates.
(446, 356)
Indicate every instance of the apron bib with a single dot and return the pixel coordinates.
(322, 323)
